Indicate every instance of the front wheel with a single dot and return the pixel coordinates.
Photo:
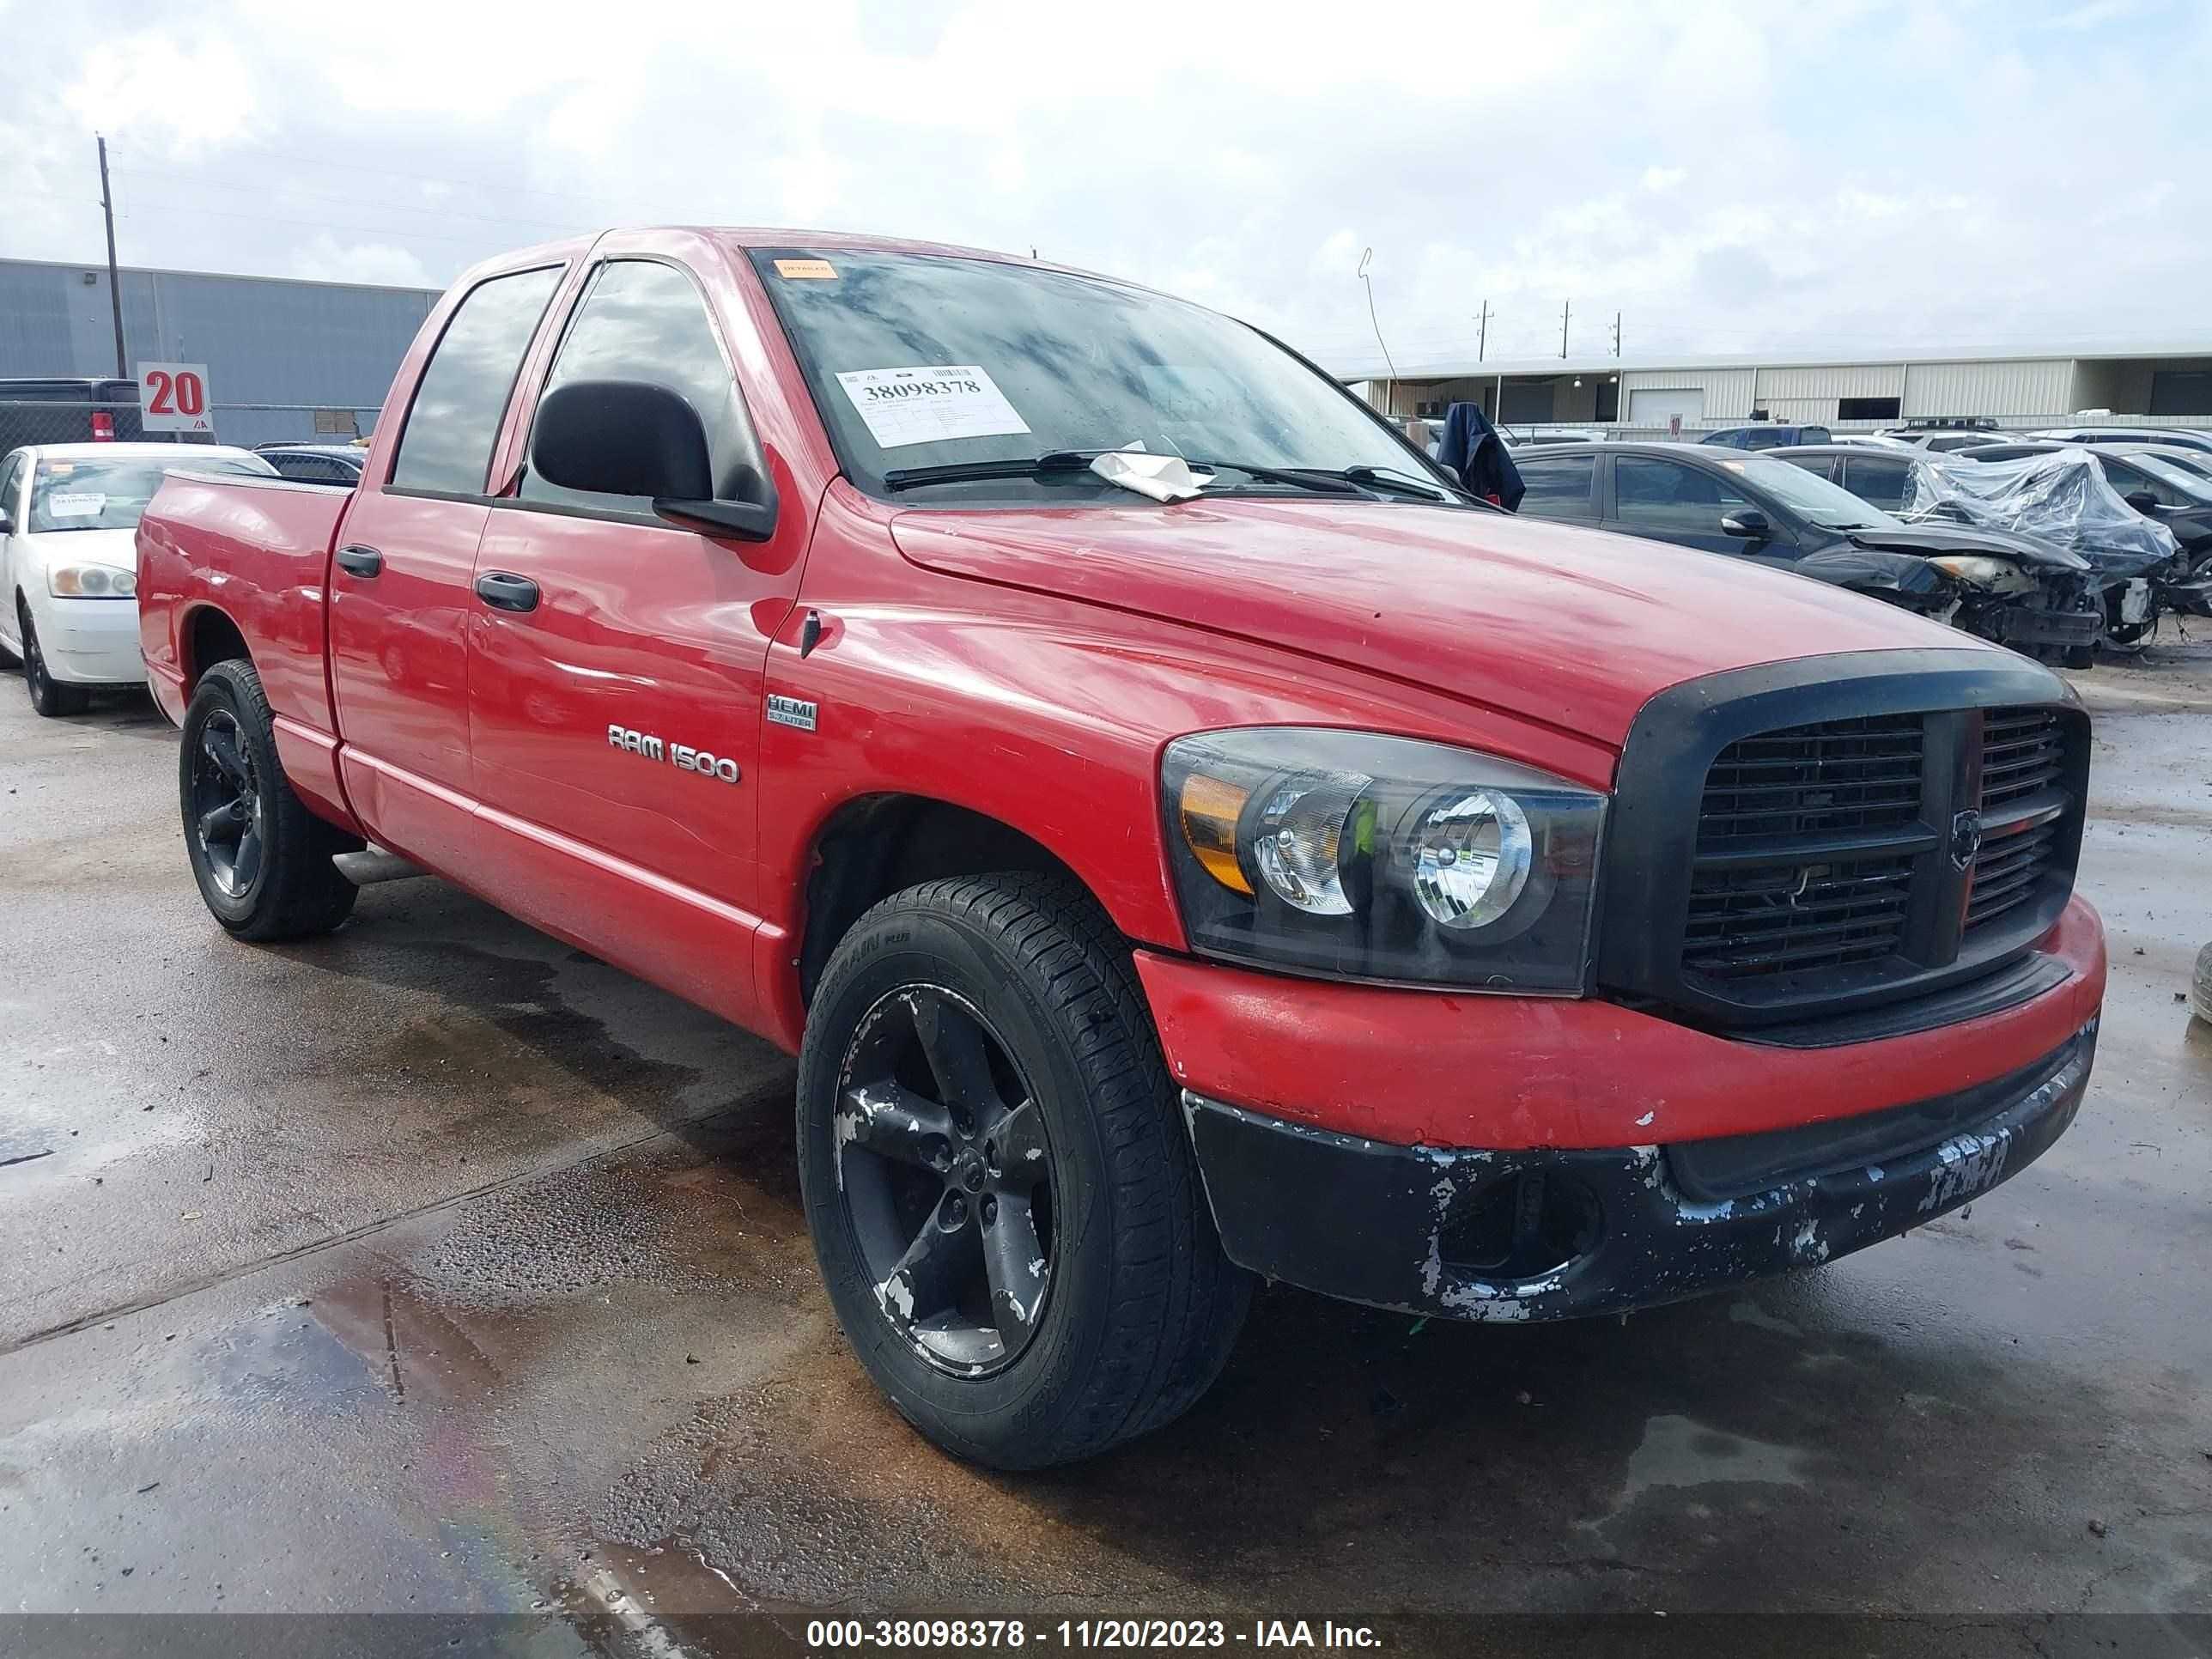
(262, 859)
(1000, 1189)
(49, 696)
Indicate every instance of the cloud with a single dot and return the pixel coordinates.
(1522, 157)
(326, 259)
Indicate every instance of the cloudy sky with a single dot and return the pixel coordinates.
(1949, 174)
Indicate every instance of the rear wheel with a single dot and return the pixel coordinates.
(262, 859)
(49, 696)
(999, 1186)
(2080, 656)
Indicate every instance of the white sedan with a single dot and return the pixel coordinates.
(69, 559)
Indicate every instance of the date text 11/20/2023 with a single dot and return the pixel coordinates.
(933, 1635)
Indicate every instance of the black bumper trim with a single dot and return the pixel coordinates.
(1606, 1229)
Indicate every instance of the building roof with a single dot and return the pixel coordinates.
(1446, 366)
(99, 267)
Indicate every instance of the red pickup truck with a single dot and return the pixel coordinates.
(1186, 840)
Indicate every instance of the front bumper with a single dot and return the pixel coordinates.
(90, 642)
(1559, 1232)
(2037, 620)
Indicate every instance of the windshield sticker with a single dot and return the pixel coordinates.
(924, 405)
(75, 506)
(820, 271)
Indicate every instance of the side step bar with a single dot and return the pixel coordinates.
(365, 868)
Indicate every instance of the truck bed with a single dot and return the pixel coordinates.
(255, 553)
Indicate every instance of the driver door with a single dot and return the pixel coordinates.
(616, 663)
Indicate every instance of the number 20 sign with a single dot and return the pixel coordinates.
(173, 397)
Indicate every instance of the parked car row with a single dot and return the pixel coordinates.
(2014, 589)
(2051, 545)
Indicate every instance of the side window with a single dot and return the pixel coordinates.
(1560, 488)
(2128, 480)
(644, 321)
(1878, 480)
(1669, 495)
(454, 421)
(11, 479)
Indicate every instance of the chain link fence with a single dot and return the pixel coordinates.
(38, 421)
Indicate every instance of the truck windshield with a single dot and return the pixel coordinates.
(919, 361)
(112, 494)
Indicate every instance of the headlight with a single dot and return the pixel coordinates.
(1999, 575)
(90, 581)
(1366, 857)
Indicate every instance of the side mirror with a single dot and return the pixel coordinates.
(2142, 500)
(633, 438)
(1747, 522)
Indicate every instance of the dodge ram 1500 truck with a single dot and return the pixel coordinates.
(1185, 840)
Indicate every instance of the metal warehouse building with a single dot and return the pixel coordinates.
(2171, 386)
(285, 359)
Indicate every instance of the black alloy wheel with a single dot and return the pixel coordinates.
(945, 1166)
(226, 804)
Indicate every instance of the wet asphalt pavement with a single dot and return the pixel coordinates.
(436, 1267)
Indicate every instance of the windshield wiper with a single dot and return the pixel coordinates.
(1405, 483)
(1056, 460)
(1313, 478)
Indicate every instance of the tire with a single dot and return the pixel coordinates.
(1133, 1307)
(228, 764)
(2080, 656)
(49, 696)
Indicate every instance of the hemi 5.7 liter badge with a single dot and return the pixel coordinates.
(791, 711)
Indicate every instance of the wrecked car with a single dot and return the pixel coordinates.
(1762, 509)
(2066, 497)
(2021, 591)
(1186, 841)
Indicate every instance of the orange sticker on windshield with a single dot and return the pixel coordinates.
(819, 270)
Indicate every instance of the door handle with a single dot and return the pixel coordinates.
(502, 592)
(361, 561)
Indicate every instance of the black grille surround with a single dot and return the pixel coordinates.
(1819, 838)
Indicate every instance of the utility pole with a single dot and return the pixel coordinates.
(114, 286)
(1566, 312)
(1616, 334)
(1482, 330)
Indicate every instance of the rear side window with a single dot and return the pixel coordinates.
(1560, 488)
(641, 320)
(1880, 480)
(454, 421)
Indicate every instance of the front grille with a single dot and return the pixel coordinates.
(1809, 780)
(2023, 755)
(2007, 873)
(1747, 922)
(1823, 862)
(2023, 751)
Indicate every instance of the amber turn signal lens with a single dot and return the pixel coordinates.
(1210, 811)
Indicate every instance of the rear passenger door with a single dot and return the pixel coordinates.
(400, 596)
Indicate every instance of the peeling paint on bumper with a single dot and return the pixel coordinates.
(1561, 1233)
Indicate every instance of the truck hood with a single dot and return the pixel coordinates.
(1576, 628)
